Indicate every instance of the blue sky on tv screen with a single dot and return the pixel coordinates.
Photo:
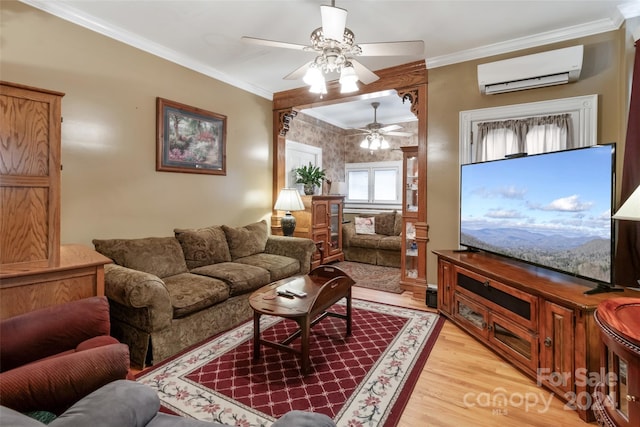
(567, 192)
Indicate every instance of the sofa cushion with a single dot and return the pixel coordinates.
(397, 226)
(248, 240)
(203, 246)
(365, 225)
(279, 266)
(161, 256)
(390, 243)
(369, 241)
(192, 292)
(385, 223)
(241, 278)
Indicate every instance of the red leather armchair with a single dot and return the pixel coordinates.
(53, 357)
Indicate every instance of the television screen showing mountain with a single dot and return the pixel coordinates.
(552, 210)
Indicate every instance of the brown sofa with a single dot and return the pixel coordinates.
(168, 293)
(382, 248)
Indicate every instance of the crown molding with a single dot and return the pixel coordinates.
(76, 17)
(564, 34)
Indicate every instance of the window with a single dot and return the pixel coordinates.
(374, 185)
(580, 130)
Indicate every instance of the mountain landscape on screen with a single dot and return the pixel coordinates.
(552, 210)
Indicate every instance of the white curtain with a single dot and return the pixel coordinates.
(530, 135)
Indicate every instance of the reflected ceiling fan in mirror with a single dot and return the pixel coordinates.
(376, 131)
(335, 49)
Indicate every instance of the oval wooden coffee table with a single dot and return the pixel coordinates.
(325, 285)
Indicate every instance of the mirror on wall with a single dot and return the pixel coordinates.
(332, 135)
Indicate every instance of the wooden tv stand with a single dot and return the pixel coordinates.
(537, 319)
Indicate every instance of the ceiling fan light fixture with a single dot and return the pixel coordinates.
(319, 87)
(313, 76)
(349, 87)
(384, 144)
(348, 79)
(364, 143)
(348, 73)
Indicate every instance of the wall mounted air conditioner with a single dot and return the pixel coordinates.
(554, 67)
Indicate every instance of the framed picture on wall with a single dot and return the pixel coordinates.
(189, 139)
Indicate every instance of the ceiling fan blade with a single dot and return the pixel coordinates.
(334, 20)
(406, 48)
(298, 73)
(390, 128)
(398, 133)
(365, 75)
(271, 43)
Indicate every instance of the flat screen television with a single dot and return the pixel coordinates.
(551, 210)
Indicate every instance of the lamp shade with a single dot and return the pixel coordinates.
(630, 210)
(320, 88)
(289, 200)
(313, 76)
(348, 79)
(339, 188)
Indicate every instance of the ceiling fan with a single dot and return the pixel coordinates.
(376, 131)
(335, 48)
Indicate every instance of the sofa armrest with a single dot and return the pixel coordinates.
(120, 403)
(294, 247)
(52, 330)
(56, 383)
(348, 231)
(137, 289)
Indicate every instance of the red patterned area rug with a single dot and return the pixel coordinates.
(372, 276)
(362, 380)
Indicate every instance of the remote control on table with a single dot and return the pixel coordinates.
(299, 294)
(284, 293)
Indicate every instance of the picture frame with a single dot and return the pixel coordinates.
(189, 139)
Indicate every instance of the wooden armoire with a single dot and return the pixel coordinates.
(35, 271)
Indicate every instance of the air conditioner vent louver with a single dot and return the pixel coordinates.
(532, 71)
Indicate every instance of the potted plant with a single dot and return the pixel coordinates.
(311, 176)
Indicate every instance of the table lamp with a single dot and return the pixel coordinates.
(339, 188)
(289, 200)
(630, 209)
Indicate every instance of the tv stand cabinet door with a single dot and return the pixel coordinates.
(557, 348)
(471, 315)
(445, 286)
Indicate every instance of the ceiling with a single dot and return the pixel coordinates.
(206, 35)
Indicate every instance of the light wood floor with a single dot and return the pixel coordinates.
(461, 379)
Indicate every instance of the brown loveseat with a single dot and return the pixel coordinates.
(382, 247)
(168, 293)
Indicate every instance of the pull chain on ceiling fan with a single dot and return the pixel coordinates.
(335, 47)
